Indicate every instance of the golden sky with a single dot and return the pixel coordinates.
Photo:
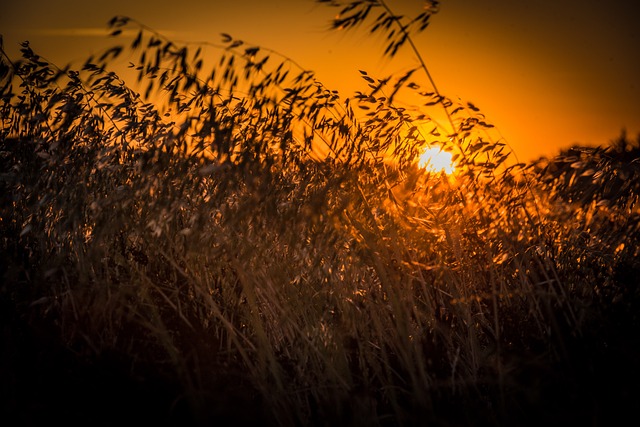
(547, 73)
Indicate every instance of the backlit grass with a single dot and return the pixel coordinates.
(238, 243)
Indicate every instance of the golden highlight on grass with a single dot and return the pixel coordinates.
(270, 251)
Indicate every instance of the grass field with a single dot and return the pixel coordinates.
(240, 245)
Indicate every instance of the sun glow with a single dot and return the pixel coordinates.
(435, 159)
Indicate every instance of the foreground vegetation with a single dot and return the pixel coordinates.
(237, 244)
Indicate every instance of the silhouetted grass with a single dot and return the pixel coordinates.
(229, 241)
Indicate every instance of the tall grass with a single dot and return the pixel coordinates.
(233, 228)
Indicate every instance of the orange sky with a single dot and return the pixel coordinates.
(547, 73)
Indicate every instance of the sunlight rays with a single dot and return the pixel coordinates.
(435, 159)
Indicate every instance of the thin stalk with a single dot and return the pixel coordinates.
(423, 65)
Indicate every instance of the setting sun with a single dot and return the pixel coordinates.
(435, 159)
(274, 222)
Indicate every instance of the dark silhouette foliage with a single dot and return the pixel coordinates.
(212, 235)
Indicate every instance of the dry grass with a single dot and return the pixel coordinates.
(245, 238)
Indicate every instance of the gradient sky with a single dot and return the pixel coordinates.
(547, 73)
